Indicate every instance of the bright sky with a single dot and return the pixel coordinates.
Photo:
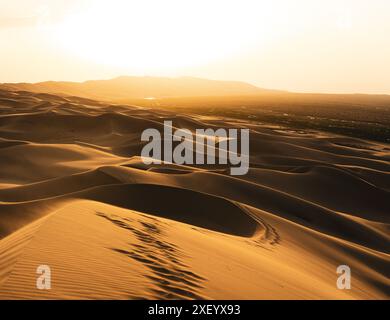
(297, 45)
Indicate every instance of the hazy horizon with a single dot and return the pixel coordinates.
(305, 46)
(206, 79)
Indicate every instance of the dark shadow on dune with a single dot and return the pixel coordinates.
(182, 205)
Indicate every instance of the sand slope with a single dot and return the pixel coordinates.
(76, 196)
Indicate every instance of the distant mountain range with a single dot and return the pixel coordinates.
(127, 88)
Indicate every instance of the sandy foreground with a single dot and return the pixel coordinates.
(75, 195)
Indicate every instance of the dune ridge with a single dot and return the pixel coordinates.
(71, 177)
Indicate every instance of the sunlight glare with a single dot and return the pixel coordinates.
(154, 35)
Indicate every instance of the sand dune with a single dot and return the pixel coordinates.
(76, 196)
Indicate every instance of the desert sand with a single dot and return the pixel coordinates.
(76, 196)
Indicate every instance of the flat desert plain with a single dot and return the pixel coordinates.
(76, 196)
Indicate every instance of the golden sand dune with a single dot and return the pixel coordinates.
(76, 196)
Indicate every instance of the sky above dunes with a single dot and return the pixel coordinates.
(300, 45)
